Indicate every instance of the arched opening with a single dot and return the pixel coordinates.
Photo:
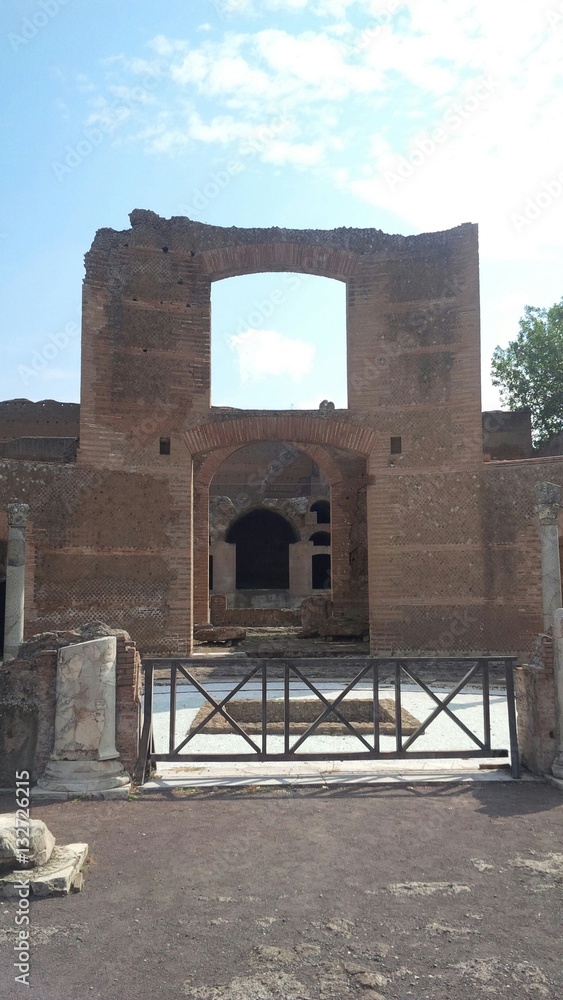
(322, 509)
(320, 538)
(262, 540)
(321, 572)
(278, 341)
(269, 478)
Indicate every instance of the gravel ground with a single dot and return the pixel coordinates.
(449, 893)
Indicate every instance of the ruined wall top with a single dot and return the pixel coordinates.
(181, 233)
(47, 418)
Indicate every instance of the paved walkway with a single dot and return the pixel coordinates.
(377, 772)
(449, 891)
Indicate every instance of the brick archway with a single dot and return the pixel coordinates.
(303, 428)
(296, 257)
(209, 465)
(213, 442)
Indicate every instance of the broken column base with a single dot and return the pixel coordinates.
(95, 779)
(57, 877)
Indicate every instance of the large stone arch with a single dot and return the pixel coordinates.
(303, 428)
(301, 258)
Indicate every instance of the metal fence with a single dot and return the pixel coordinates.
(476, 671)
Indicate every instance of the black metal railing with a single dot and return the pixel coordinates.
(394, 669)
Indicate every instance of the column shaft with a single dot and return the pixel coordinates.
(15, 579)
(548, 501)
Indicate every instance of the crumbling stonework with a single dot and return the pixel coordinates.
(537, 717)
(28, 701)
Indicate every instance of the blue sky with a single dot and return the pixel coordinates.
(406, 117)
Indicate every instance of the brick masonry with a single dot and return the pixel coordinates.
(448, 543)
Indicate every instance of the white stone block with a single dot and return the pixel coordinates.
(41, 842)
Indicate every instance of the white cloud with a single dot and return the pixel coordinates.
(263, 353)
(298, 154)
(358, 96)
(225, 129)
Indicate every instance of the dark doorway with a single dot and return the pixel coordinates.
(322, 509)
(262, 538)
(321, 571)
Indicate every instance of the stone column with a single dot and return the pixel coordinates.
(224, 568)
(300, 554)
(548, 500)
(15, 579)
(85, 760)
(557, 766)
(201, 555)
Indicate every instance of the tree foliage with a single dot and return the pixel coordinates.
(529, 372)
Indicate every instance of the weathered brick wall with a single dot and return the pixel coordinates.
(128, 702)
(48, 418)
(511, 549)
(456, 565)
(103, 544)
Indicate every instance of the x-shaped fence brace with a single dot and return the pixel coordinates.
(331, 709)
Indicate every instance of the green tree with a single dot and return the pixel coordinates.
(529, 372)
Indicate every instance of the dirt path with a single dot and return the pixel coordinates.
(449, 893)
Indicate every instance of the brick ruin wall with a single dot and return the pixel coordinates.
(446, 545)
(99, 546)
(47, 418)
